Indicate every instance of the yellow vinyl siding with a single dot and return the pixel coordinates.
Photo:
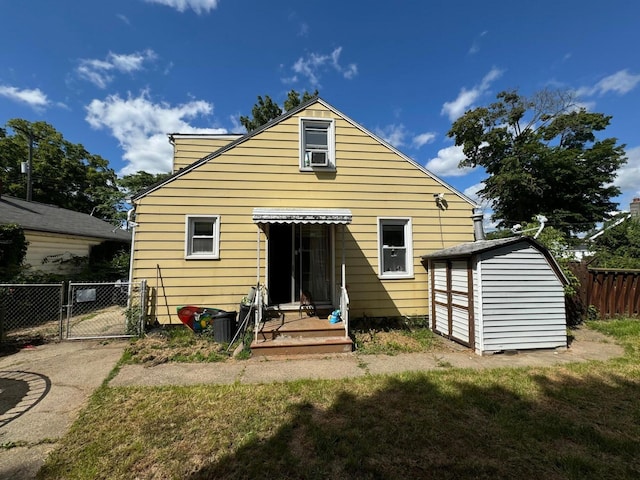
(189, 149)
(45, 248)
(370, 179)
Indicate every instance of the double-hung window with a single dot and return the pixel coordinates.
(317, 144)
(395, 252)
(202, 237)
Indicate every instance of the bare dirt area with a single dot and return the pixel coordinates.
(107, 321)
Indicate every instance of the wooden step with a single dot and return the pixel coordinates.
(290, 333)
(286, 345)
(296, 326)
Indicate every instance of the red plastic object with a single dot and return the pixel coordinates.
(197, 318)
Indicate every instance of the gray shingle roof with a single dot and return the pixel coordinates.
(472, 248)
(466, 249)
(40, 217)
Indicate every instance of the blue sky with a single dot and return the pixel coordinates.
(118, 75)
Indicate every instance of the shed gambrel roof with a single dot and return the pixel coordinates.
(480, 246)
(40, 217)
(281, 118)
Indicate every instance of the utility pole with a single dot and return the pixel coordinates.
(29, 169)
(29, 134)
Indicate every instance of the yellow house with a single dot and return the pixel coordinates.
(310, 202)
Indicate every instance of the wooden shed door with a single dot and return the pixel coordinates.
(452, 300)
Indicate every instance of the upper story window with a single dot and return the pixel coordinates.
(395, 251)
(202, 237)
(317, 144)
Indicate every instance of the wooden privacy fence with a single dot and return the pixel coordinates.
(613, 292)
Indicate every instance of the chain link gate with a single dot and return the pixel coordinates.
(104, 310)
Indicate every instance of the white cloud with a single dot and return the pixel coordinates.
(303, 30)
(446, 163)
(472, 192)
(198, 6)
(35, 98)
(621, 82)
(466, 98)
(486, 206)
(393, 134)
(141, 128)
(98, 72)
(124, 18)
(422, 139)
(475, 46)
(628, 178)
(314, 64)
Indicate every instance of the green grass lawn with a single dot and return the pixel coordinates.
(580, 421)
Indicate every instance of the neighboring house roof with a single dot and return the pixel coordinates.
(40, 217)
(481, 246)
(279, 119)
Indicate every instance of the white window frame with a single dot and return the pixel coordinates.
(408, 240)
(305, 166)
(188, 243)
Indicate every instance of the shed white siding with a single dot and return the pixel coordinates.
(477, 302)
(460, 301)
(522, 300)
(440, 297)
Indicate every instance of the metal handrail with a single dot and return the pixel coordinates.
(344, 309)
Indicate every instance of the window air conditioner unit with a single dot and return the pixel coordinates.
(319, 159)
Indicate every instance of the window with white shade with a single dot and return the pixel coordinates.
(317, 144)
(395, 257)
(202, 237)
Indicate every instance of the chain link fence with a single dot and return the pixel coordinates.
(30, 311)
(36, 313)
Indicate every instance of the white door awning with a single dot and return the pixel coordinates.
(302, 215)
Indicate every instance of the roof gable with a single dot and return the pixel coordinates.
(290, 113)
(41, 217)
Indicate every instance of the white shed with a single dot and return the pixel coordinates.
(498, 295)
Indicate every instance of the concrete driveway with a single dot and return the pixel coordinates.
(42, 390)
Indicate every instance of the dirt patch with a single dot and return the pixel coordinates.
(162, 347)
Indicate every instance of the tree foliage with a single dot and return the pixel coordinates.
(63, 173)
(13, 249)
(619, 246)
(542, 157)
(136, 182)
(266, 109)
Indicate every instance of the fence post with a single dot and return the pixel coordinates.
(62, 309)
(3, 309)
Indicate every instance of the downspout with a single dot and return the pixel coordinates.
(344, 295)
(133, 225)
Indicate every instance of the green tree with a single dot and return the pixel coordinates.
(136, 182)
(63, 173)
(294, 99)
(13, 249)
(266, 109)
(619, 246)
(542, 157)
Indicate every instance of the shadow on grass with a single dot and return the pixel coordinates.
(428, 426)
